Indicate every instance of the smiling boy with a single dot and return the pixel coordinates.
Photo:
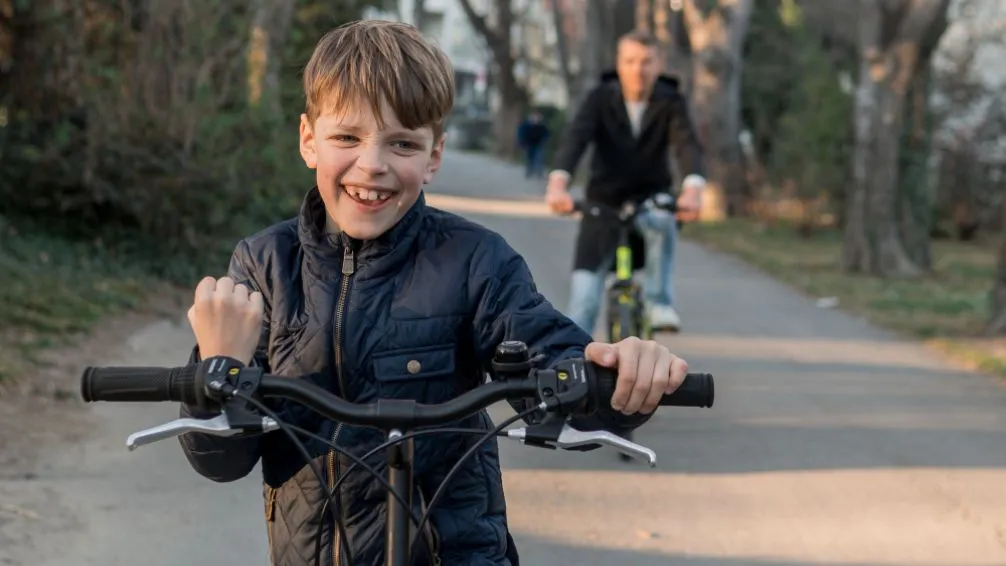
(373, 294)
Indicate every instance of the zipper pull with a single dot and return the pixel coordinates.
(348, 261)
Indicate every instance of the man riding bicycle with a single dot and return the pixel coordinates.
(633, 117)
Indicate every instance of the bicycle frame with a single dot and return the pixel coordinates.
(623, 254)
(624, 292)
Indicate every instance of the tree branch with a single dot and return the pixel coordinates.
(561, 46)
(539, 64)
(694, 19)
(479, 23)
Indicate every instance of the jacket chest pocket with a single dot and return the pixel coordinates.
(425, 374)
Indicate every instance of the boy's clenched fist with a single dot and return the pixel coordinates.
(226, 319)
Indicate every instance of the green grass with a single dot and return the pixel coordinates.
(948, 309)
(52, 290)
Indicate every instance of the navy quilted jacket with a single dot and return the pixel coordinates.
(415, 314)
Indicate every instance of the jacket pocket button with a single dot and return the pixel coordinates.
(413, 366)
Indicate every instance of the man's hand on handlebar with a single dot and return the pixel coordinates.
(557, 194)
(690, 201)
(646, 372)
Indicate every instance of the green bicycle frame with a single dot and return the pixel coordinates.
(626, 297)
(623, 262)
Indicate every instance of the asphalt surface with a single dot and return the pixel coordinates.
(830, 443)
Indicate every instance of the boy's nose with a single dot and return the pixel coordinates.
(372, 161)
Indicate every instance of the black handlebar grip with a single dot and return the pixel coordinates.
(139, 384)
(696, 391)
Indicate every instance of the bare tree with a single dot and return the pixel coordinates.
(716, 37)
(559, 20)
(270, 28)
(513, 95)
(644, 15)
(896, 39)
(419, 14)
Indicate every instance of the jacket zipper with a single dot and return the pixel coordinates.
(331, 483)
(348, 267)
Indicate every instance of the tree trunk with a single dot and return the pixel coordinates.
(419, 14)
(513, 95)
(644, 15)
(677, 51)
(607, 20)
(894, 45)
(872, 235)
(270, 29)
(915, 197)
(668, 27)
(562, 46)
(717, 108)
(593, 55)
(717, 40)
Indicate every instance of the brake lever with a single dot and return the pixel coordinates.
(217, 426)
(570, 438)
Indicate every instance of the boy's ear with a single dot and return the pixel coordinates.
(436, 157)
(307, 141)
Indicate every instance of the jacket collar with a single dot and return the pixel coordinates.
(329, 248)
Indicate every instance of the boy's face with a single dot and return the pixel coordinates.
(368, 176)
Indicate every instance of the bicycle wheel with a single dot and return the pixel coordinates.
(623, 318)
(642, 321)
(643, 324)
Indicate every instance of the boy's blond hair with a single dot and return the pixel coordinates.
(372, 61)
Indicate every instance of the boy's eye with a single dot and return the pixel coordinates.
(345, 138)
(406, 145)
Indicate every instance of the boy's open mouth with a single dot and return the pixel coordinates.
(371, 198)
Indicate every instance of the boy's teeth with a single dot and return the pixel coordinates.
(365, 194)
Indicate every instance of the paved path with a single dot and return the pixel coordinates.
(830, 443)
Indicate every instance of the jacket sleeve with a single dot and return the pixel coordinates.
(579, 134)
(684, 140)
(511, 308)
(228, 459)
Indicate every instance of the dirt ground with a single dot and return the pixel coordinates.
(43, 411)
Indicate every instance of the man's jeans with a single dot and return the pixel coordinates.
(659, 229)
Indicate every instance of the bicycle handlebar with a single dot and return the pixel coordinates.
(573, 386)
(661, 201)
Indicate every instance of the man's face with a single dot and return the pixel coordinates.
(637, 66)
(368, 176)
